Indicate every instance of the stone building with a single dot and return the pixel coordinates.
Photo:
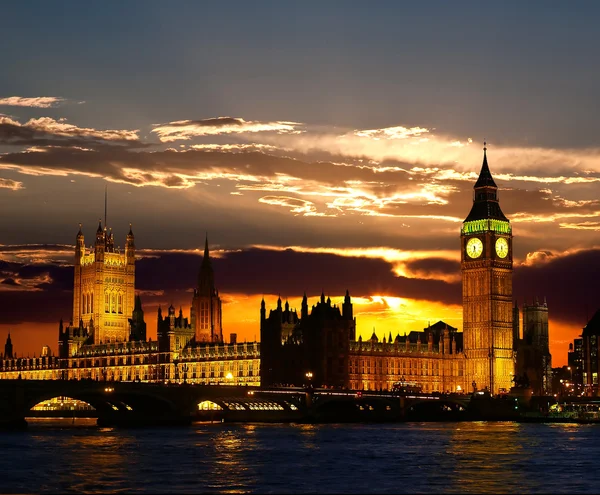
(106, 338)
(321, 346)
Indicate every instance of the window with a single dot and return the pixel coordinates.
(120, 307)
(106, 302)
(113, 303)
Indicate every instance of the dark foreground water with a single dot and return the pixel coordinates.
(261, 458)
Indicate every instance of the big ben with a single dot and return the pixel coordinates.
(486, 263)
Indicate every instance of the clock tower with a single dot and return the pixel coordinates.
(486, 264)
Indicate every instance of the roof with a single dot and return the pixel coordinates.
(485, 176)
(485, 204)
(593, 326)
(486, 209)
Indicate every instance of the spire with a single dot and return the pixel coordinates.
(99, 231)
(485, 200)
(485, 176)
(80, 233)
(130, 231)
(206, 277)
(138, 303)
(105, 201)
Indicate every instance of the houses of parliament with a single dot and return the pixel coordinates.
(105, 338)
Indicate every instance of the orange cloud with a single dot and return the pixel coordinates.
(10, 184)
(187, 129)
(37, 101)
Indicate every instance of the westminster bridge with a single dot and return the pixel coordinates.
(139, 403)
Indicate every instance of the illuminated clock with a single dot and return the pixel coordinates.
(501, 247)
(474, 247)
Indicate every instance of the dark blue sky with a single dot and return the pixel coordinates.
(523, 72)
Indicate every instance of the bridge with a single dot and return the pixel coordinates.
(139, 403)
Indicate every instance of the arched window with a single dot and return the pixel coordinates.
(106, 302)
(120, 308)
(113, 303)
(84, 304)
(92, 302)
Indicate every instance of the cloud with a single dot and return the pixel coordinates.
(398, 132)
(41, 292)
(10, 184)
(296, 205)
(187, 129)
(45, 131)
(38, 102)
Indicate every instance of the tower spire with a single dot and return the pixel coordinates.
(105, 202)
(485, 199)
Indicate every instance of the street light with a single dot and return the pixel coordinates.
(309, 376)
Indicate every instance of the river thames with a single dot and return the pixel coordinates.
(475, 457)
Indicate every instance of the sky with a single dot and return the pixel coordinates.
(321, 146)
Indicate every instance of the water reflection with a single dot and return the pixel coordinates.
(278, 458)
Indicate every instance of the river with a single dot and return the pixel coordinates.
(476, 457)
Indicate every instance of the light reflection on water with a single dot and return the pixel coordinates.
(58, 457)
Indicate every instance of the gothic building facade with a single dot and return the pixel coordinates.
(437, 359)
(106, 337)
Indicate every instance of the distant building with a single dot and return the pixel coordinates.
(534, 361)
(591, 352)
(575, 361)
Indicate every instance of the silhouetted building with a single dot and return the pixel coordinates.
(575, 361)
(591, 351)
(8, 348)
(534, 362)
(311, 348)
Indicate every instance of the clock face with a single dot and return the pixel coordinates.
(501, 247)
(474, 247)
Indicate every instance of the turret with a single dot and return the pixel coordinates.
(100, 244)
(8, 348)
(136, 322)
(130, 247)
(446, 339)
(79, 246)
(110, 241)
(263, 311)
(304, 309)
